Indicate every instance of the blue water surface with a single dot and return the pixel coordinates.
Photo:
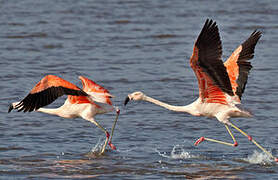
(126, 46)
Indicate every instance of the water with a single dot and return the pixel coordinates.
(127, 46)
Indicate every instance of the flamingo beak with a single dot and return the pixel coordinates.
(126, 100)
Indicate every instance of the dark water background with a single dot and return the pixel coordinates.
(125, 46)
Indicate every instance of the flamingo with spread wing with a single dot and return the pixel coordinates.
(85, 103)
(221, 85)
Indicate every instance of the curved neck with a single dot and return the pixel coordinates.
(188, 109)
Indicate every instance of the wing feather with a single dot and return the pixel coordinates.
(238, 66)
(46, 91)
(96, 92)
(207, 64)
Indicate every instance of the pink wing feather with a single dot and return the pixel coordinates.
(97, 92)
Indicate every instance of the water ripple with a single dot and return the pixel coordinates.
(127, 46)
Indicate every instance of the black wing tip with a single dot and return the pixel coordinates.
(34, 101)
(248, 46)
(210, 51)
(247, 53)
(209, 34)
(255, 36)
(126, 100)
(19, 107)
(256, 33)
(210, 23)
(10, 108)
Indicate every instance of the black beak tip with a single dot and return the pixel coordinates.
(10, 108)
(126, 100)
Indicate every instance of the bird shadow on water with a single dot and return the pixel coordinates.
(179, 161)
(91, 164)
(64, 165)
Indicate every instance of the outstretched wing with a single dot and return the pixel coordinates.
(238, 66)
(213, 79)
(46, 91)
(96, 92)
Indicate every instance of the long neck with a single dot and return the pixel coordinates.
(188, 109)
(50, 111)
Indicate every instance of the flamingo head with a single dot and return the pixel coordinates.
(136, 96)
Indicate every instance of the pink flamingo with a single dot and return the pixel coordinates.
(221, 85)
(86, 103)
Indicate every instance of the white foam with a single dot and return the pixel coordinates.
(177, 153)
(259, 158)
(98, 146)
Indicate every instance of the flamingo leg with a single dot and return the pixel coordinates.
(113, 128)
(231, 134)
(253, 141)
(107, 136)
(217, 141)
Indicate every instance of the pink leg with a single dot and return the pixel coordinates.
(253, 141)
(112, 146)
(107, 134)
(109, 143)
(201, 139)
(113, 128)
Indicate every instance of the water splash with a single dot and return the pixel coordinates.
(97, 148)
(95, 151)
(177, 153)
(259, 158)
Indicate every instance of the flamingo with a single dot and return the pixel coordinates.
(85, 103)
(221, 85)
